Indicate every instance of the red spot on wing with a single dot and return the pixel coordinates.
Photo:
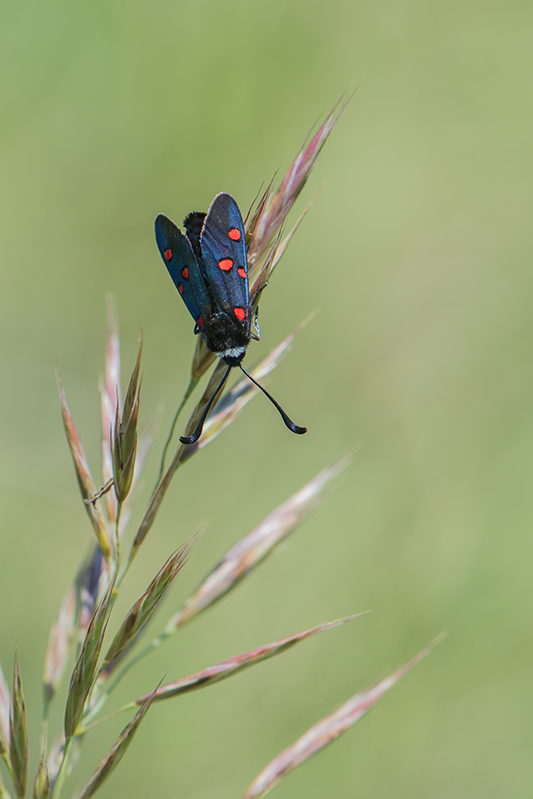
(180, 288)
(225, 264)
(242, 272)
(185, 273)
(200, 321)
(239, 313)
(168, 254)
(235, 234)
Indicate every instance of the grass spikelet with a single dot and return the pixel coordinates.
(41, 786)
(59, 643)
(4, 717)
(84, 671)
(229, 668)
(250, 551)
(146, 605)
(272, 209)
(327, 730)
(85, 481)
(117, 751)
(125, 434)
(110, 392)
(18, 734)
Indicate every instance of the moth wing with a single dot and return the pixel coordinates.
(179, 259)
(223, 246)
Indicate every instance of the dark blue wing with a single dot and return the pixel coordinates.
(183, 268)
(223, 246)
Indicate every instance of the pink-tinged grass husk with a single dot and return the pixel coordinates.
(59, 645)
(18, 734)
(229, 668)
(261, 281)
(250, 551)
(4, 717)
(117, 751)
(272, 209)
(263, 274)
(85, 481)
(41, 787)
(110, 391)
(84, 672)
(327, 730)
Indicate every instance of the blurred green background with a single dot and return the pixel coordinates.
(417, 255)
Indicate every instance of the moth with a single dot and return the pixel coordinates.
(209, 267)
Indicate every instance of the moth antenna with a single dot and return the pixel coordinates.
(294, 428)
(200, 426)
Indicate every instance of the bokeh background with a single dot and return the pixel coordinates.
(417, 255)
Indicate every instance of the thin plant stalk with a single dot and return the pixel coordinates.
(192, 385)
(63, 768)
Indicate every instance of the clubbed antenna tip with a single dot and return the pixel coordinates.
(294, 428)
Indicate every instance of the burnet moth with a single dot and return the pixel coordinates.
(209, 268)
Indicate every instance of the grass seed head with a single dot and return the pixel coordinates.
(125, 434)
(18, 734)
(229, 668)
(85, 481)
(251, 550)
(84, 672)
(117, 751)
(109, 389)
(267, 219)
(146, 605)
(4, 715)
(59, 642)
(41, 787)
